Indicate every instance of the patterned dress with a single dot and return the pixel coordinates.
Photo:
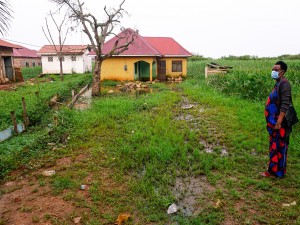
(278, 139)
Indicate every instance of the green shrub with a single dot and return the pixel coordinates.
(31, 72)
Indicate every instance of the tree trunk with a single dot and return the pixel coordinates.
(96, 88)
(61, 69)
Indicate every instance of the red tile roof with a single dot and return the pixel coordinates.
(25, 52)
(139, 47)
(8, 44)
(67, 49)
(167, 46)
(147, 46)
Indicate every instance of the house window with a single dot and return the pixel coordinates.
(62, 58)
(50, 58)
(177, 66)
(33, 64)
(27, 64)
(73, 58)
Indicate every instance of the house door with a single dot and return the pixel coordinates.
(8, 67)
(142, 71)
(161, 70)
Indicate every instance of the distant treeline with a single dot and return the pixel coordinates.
(245, 57)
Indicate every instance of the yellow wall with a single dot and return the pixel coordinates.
(169, 72)
(113, 68)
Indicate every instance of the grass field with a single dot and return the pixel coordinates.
(138, 154)
(37, 105)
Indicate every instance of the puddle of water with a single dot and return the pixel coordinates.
(84, 100)
(186, 117)
(209, 150)
(224, 152)
(201, 110)
(253, 152)
(9, 132)
(187, 106)
(188, 190)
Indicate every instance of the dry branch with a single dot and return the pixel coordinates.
(97, 33)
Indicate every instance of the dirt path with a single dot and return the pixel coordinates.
(29, 200)
(10, 86)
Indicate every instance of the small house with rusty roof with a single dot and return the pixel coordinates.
(75, 59)
(147, 59)
(25, 57)
(7, 72)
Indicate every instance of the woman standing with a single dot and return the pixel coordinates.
(276, 108)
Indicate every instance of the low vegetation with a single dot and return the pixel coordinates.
(19, 150)
(31, 72)
(37, 94)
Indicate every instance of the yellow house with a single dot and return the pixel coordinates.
(147, 59)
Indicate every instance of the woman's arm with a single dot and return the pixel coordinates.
(285, 101)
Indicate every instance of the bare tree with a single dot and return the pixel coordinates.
(97, 33)
(5, 16)
(61, 40)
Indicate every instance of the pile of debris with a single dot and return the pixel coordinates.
(214, 68)
(175, 79)
(18, 75)
(137, 85)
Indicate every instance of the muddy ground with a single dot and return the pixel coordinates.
(25, 201)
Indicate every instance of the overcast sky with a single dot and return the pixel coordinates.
(212, 28)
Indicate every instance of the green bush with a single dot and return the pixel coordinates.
(31, 72)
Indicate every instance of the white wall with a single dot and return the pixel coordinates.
(81, 65)
(87, 62)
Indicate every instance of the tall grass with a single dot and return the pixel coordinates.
(249, 79)
(31, 72)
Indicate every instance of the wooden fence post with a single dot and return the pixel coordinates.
(55, 121)
(25, 118)
(13, 118)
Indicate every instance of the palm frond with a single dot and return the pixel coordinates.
(5, 16)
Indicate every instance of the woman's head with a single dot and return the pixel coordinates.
(282, 66)
(278, 70)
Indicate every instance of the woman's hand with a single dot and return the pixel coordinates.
(277, 126)
(279, 121)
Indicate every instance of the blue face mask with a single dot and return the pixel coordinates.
(275, 74)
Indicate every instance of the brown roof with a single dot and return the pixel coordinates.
(8, 44)
(138, 47)
(167, 46)
(146, 46)
(25, 52)
(67, 49)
